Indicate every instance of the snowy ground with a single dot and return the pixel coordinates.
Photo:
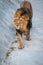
(32, 54)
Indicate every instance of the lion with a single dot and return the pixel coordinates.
(23, 21)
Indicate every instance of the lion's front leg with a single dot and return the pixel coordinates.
(28, 35)
(21, 45)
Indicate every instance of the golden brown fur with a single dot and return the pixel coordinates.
(23, 21)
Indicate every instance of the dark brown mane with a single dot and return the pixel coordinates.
(25, 11)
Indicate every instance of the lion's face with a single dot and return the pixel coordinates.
(20, 22)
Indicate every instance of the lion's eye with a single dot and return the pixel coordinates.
(28, 20)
